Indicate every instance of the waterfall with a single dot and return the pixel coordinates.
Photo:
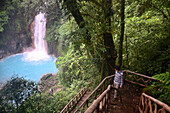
(39, 51)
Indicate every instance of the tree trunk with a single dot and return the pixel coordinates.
(73, 8)
(109, 55)
(127, 55)
(122, 31)
(17, 105)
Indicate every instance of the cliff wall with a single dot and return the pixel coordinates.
(15, 37)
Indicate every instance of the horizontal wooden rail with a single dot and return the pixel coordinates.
(68, 108)
(99, 89)
(138, 79)
(101, 102)
(100, 105)
(129, 76)
(147, 103)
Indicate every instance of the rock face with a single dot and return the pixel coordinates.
(53, 49)
(15, 37)
(14, 45)
(48, 81)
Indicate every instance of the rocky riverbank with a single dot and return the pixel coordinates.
(1, 85)
(49, 83)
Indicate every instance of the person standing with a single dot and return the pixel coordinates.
(51, 90)
(118, 80)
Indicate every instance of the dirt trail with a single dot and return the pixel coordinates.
(130, 99)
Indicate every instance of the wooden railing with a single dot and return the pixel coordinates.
(146, 102)
(72, 103)
(149, 104)
(100, 105)
(129, 76)
(101, 95)
(138, 79)
(98, 90)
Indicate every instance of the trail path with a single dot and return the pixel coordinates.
(130, 94)
(130, 99)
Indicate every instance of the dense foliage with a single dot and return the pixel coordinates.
(14, 92)
(161, 88)
(43, 103)
(22, 96)
(164, 87)
(86, 35)
(17, 10)
(147, 36)
(146, 46)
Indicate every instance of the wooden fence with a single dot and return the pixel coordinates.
(149, 104)
(138, 79)
(96, 92)
(98, 100)
(100, 105)
(72, 103)
(129, 76)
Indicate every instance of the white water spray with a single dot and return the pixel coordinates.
(40, 50)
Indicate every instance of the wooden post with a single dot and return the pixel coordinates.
(87, 103)
(98, 108)
(103, 87)
(95, 94)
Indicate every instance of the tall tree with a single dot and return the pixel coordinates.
(122, 31)
(15, 91)
(108, 56)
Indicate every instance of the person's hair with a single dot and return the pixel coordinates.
(117, 68)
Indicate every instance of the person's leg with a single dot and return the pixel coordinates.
(115, 92)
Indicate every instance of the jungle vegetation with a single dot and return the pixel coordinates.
(94, 35)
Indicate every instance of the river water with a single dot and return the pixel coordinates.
(32, 70)
(33, 62)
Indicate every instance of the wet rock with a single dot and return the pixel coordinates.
(47, 81)
(2, 52)
(46, 76)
